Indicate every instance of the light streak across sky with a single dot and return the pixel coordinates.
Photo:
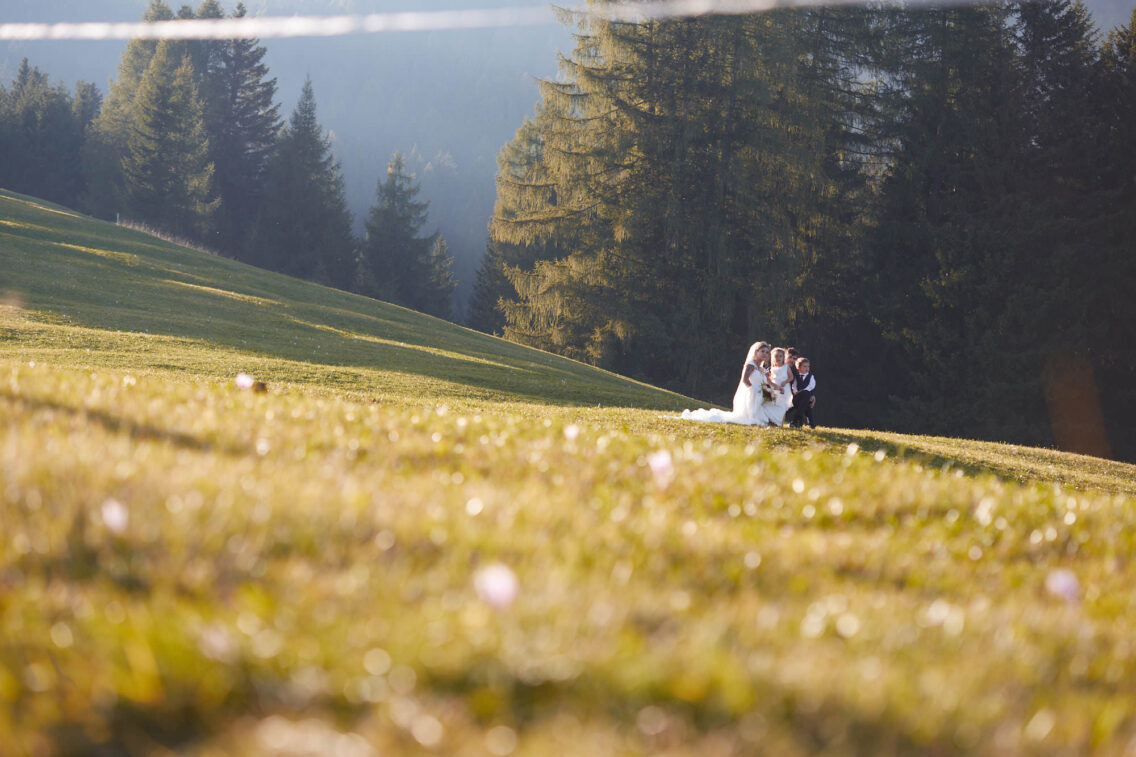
(270, 27)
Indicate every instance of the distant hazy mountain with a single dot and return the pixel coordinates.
(447, 100)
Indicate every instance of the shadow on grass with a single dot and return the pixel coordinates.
(117, 425)
(1008, 463)
(871, 444)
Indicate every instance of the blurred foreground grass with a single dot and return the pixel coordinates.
(326, 568)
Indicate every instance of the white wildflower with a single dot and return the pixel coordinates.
(496, 585)
(115, 515)
(1063, 584)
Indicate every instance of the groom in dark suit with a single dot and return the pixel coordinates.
(804, 384)
(791, 356)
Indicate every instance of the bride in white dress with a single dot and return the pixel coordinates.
(750, 405)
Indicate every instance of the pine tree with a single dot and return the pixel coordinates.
(490, 286)
(440, 284)
(400, 262)
(522, 176)
(304, 228)
(1111, 299)
(136, 60)
(206, 55)
(982, 237)
(87, 104)
(840, 85)
(39, 151)
(243, 123)
(944, 239)
(678, 154)
(167, 172)
(105, 146)
(944, 195)
(1061, 201)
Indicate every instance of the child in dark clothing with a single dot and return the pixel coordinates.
(803, 400)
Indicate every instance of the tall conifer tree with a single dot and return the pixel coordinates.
(168, 175)
(1047, 302)
(490, 286)
(243, 122)
(983, 238)
(440, 283)
(87, 104)
(205, 54)
(304, 226)
(406, 268)
(522, 177)
(105, 146)
(840, 83)
(1111, 301)
(944, 238)
(677, 156)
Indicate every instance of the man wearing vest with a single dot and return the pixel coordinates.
(803, 399)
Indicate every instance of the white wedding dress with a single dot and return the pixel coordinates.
(781, 400)
(749, 408)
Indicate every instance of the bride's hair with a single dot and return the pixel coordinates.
(753, 348)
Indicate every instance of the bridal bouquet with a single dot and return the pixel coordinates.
(767, 393)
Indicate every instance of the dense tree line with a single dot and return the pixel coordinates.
(936, 204)
(42, 130)
(189, 140)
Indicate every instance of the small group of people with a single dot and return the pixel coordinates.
(777, 388)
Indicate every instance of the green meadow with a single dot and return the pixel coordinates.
(412, 538)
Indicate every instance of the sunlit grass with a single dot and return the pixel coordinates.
(189, 566)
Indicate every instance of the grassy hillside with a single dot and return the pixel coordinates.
(327, 567)
(141, 303)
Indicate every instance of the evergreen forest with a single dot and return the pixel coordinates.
(936, 205)
(189, 142)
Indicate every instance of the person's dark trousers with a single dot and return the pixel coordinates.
(801, 411)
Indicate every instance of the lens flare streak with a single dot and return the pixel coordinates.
(274, 27)
(270, 27)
